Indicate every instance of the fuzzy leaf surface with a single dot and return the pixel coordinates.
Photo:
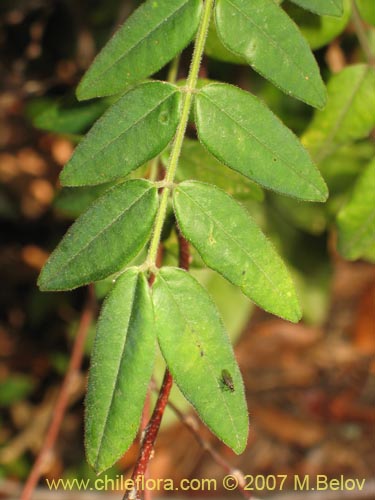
(135, 129)
(103, 239)
(241, 132)
(153, 35)
(121, 369)
(230, 242)
(322, 7)
(262, 33)
(356, 221)
(196, 348)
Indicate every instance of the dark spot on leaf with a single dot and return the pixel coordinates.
(164, 117)
(226, 380)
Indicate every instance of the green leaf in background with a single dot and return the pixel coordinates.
(68, 116)
(350, 112)
(356, 221)
(319, 30)
(105, 238)
(240, 131)
(121, 368)
(196, 163)
(231, 243)
(73, 201)
(308, 217)
(216, 50)
(134, 130)
(257, 30)
(153, 35)
(367, 10)
(196, 348)
(15, 388)
(322, 7)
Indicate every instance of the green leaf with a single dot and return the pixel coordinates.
(356, 221)
(68, 116)
(240, 131)
(196, 163)
(153, 35)
(121, 368)
(322, 7)
(230, 242)
(350, 112)
(319, 31)
(216, 50)
(256, 31)
(73, 201)
(15, 388)
(134, 130)
(367, 10)
(104, 239)
(197, 350)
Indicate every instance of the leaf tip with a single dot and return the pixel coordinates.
(82, 92)
(322, 192)
(296, 315)
(321, 101)
(68, 177)
(42, 281)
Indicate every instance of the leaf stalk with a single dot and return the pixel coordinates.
(191, 85)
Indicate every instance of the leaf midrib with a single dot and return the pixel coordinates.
(134, 46)
(289, 166)
(275, 45)
(119, 136)
(97, 235)
(325, 148)
(230, 236)
(121, 357)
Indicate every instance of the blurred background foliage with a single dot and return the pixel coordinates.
(45, 48)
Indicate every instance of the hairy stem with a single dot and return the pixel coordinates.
(190, 88)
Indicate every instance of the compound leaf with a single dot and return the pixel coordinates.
(153, 35)
(105, 238)
(356, 221)
(230, 242)
(134, 130)
(322, 7)
(121, 368)
(244, 134)
(262, 33)
(197, 351)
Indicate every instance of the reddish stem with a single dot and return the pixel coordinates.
(184, 252)
(149, 438)
(152, 429)
(63, 397)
